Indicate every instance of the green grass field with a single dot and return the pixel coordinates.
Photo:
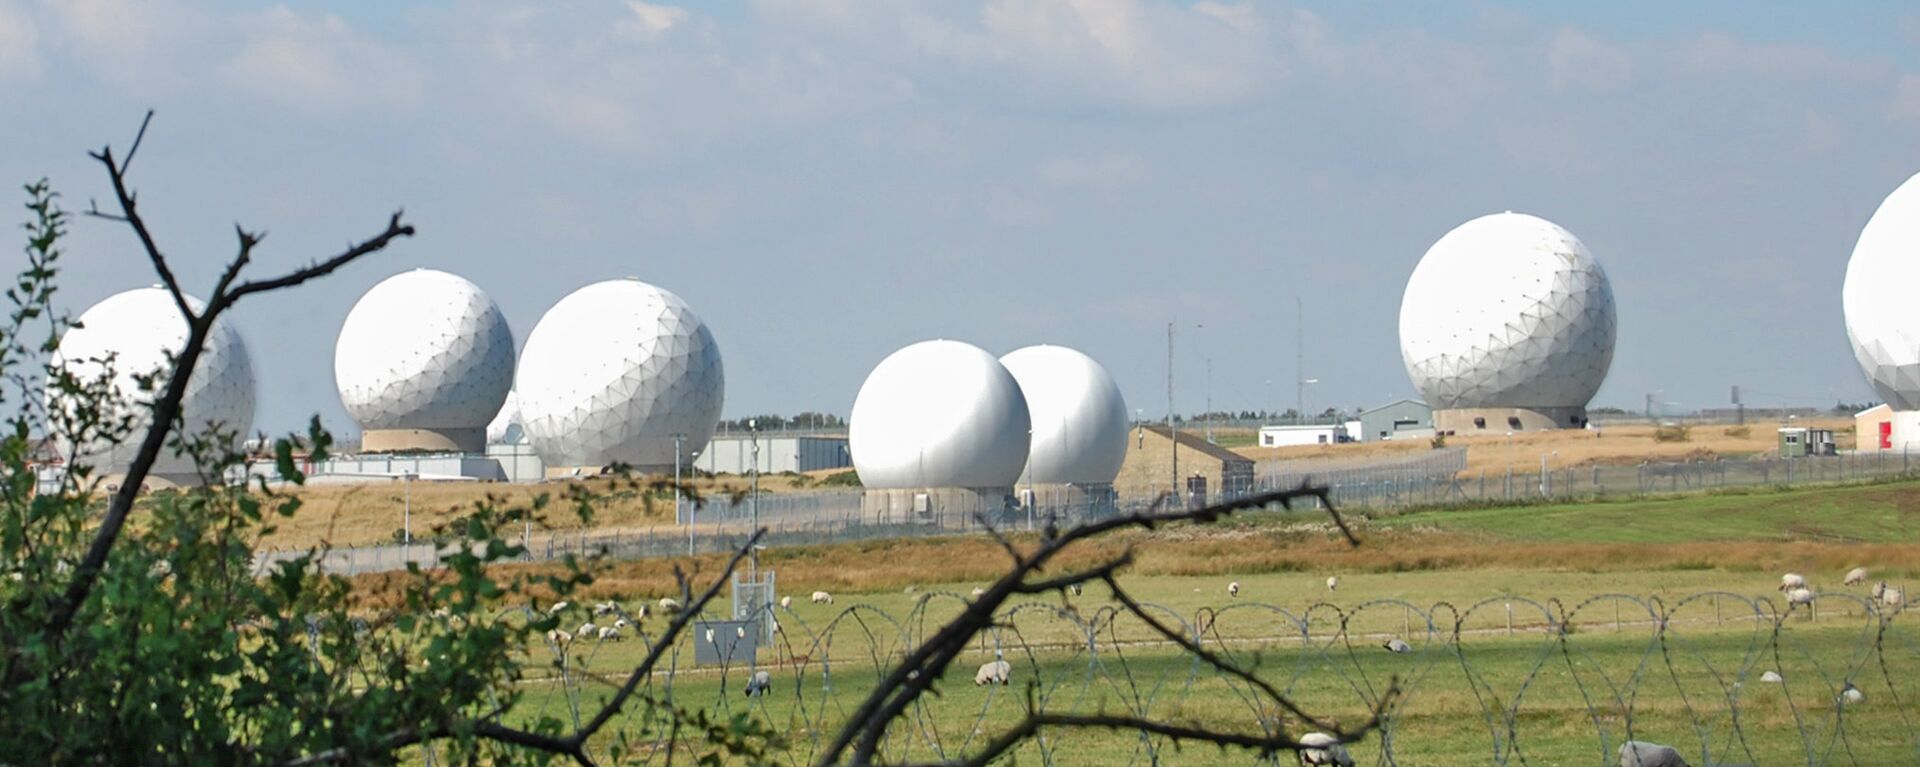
(1879, 513)
(1510, 688)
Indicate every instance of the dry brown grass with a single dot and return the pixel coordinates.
(879, 566)
(366, 513)
(1610, 445)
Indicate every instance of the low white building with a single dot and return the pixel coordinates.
(733, 454)
(1306, 434)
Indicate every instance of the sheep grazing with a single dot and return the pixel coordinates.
(557, 636)
(669, 605)
(1879, 590)
(1637, 753)
(1800, 596)
(1856, 576)
(1333, 582)
(998, 672)
(604, 608)
(609, 634)
(586, 629)
(1892, 597)
(759, 684)
(621, 623)
(1771, 676)
(978, 592)
(1792, 581)
(558, 606)
(1233, 589)
(1319, 748)
(1076, 589)
(786, 602)
(822, 598)
(1852, 695)
(1398, 645)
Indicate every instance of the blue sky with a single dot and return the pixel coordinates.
(828, 181)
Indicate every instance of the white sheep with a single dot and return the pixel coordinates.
(1851, 694)
(786, 603)
(1333, 582)
(621, 623)
(997, 672)
(1233, 589)
(977, 592)
(1076, 589)
(558, 606)
(1398, 645)
(1856, 576)
(640, 611)
(760, 684)
(559, 637)
(1799, 596)
(1772, 677)
(669, 605)
(822, 598)
(1636, 753)
(1792, 581)
(604, 608)
(609, 634)
(1879, 590)
(1892, 597)
(587, 629)
(1319, 748)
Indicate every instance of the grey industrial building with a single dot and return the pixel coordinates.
(1402, 419)
(733, 454)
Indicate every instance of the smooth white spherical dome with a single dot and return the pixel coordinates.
(1877, 298)
(939, 414)
(424, 350)
(138, 329)
(1079, 419)
(1507, 310)
(613, 372)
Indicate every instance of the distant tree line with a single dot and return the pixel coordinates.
(802, 421)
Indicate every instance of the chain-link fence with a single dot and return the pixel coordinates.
(1429, 478)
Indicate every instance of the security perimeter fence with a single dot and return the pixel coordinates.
(1435, 478)
(1440, 478)
(1724, 678)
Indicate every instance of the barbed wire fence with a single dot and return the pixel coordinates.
(1724, 678)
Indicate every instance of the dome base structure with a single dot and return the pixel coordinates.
(956, 508)
(469, 440)
(1495, 420)
(1069, 500)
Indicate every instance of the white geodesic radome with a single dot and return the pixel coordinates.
(1877, 297)
(1507, 311)
(132, 333)
(939, 414)
(613, 372)
(505, 428)
(424, 350)
(1079, 418)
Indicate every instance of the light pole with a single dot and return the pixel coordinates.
(406, 518)
(679, 438)
(1304, 383)
(753, 492)
(1546, 481)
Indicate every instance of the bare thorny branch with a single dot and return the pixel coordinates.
(925, 665)
(166, 406)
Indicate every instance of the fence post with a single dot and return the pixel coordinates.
(1509, 619)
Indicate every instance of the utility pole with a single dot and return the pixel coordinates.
(1173, 427)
